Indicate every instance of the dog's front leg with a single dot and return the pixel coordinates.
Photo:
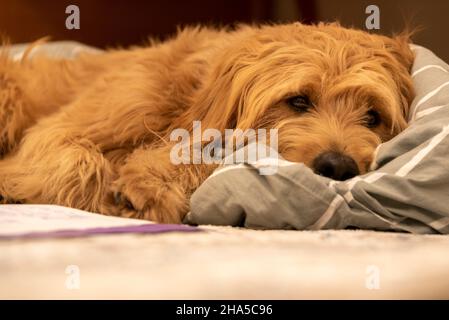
(151, 187)
(53, 165)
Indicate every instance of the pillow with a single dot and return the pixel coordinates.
(407, 190)
(58, 49)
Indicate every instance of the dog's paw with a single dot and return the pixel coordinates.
(7, 200)
(150, 198)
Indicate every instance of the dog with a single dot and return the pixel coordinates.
(93, 132)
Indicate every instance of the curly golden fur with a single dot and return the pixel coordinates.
(92, 132)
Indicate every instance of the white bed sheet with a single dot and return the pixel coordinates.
(225, 263)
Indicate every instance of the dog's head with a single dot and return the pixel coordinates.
(334, 94)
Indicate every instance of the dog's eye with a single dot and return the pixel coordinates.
(299, 103)
(372, 119)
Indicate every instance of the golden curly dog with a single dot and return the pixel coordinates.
(93, 132)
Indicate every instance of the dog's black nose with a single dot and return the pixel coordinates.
(335, 165)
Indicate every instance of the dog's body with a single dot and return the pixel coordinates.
(93, 132)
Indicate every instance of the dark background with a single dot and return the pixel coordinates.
(107, 23)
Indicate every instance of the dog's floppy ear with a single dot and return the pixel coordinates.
(218, 99)
(399, 47)
(219, 102)
(400, 67)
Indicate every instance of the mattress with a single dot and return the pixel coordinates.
(228, 263)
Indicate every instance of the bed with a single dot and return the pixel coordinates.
(229, 263)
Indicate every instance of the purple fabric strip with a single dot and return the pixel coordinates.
(145, 228)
